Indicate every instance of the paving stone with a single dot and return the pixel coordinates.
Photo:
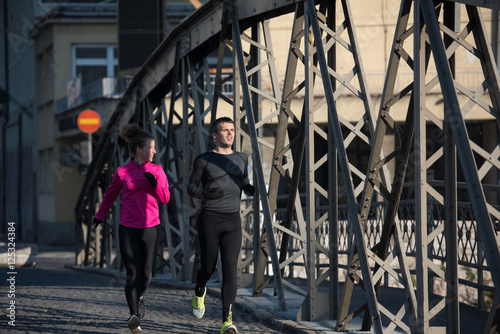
(57, 297)
(70, 301)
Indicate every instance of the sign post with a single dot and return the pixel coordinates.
(89, 122)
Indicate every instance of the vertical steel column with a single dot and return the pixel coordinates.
(187, 144)
(490, 70)
(238, 50)
(375, 177)
(254, 213)
(196, 87)
(308, 309)
(452, 21)
(158, 128)
(198, 90)
(321, 305)
(255, 71)
(311, 18)
(482, 210)
(174, 153)
(282, 153)
(333, 207)
(153, 118)
(170, 230)
(255, 68)
(420, 173)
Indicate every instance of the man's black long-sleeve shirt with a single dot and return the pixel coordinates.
(225, 171)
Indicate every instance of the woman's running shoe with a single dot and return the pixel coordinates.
(198, 304)
(134, 324)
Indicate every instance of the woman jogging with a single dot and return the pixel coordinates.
(218, 177)
(143, 184)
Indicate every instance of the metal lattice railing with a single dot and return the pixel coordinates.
(471, 252)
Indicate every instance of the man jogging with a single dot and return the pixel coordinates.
(218, 177)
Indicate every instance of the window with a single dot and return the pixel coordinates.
(94, 62)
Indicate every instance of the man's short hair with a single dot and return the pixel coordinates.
(220, 120)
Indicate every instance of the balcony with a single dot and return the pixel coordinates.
(109, 87)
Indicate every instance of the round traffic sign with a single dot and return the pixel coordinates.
(89, 121)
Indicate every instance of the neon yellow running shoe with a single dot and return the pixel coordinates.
(227, 326)
(198, 304)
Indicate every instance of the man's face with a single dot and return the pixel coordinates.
(224, 137)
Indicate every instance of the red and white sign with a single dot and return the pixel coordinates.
(89, 121)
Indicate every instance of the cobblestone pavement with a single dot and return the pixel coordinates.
(53, 299)
(57, 300)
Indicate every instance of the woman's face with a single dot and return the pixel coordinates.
(147, 152)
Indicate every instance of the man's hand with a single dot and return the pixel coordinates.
(249, 189)
(151, 179)
(214, 193)
(97, 222)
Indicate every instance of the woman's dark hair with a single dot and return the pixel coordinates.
(135, 137)
(218, 121)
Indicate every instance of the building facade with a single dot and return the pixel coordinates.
(58, 59)
(18, 119)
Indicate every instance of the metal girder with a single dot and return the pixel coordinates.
(171, 167)
(284, 166)
(314, 305)
(465, 146)
(374, 180)
(261, 66)
(341, 144)
(451, 20)
(421, 216)
(256, 154)
(188, 129)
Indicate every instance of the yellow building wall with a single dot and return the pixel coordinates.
(375, 23)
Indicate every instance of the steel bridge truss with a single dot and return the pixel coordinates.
(178, 92)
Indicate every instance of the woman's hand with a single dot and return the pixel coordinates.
(151, 179)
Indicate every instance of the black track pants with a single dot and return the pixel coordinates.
(138, 250)
(218, 231)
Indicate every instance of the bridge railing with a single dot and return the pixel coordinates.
(475, 276)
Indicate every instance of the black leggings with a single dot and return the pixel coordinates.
(220, 231)
(138, 250)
